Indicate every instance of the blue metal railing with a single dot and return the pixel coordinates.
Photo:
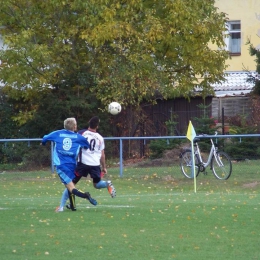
(132, 138)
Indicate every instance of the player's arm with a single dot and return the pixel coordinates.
(103, 162)
(49, 137)
(83, 142)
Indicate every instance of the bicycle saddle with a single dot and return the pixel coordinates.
(196, 139)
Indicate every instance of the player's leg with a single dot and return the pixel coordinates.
(95, 173)
(80, 171)
(67, 195)
(111, 189)
(66, 174)
(72, 205)
(85, 195)
(64, 197)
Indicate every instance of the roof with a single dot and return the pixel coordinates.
(236, 84)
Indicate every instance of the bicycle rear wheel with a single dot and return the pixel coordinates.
(221, 166)
(186, 164)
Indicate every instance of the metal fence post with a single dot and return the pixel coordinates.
(52, 163)
(121, 157)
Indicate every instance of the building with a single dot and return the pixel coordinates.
(243, 25)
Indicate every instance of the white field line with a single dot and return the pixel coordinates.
(49, 199)
(43, 198)
(86, 207)
(55, 200)
(96, 197)
(105, 206)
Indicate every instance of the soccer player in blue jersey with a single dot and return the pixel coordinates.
(91, 162)
(66, 150)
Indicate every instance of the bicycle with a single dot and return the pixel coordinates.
(219, 161)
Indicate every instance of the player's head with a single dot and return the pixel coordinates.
(94, 122)
(70, 124)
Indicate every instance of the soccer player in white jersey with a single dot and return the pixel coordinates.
(91, 162)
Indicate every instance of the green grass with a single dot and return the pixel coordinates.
(156, 215)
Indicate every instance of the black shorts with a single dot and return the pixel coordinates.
(83, 170)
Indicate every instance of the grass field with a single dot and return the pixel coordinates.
(156, 215)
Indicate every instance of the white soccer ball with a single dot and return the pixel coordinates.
(114, 108)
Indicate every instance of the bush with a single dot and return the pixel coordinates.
(158, 146)
(25, 155)
(13, 152)
(243, 150)
(36, 158)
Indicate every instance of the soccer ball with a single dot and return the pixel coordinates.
(114, 108)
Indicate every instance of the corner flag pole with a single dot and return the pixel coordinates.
(191, 134)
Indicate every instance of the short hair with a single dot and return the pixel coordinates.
(94, 122)
(70, 123)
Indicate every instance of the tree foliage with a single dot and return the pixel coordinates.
(108, 50)
(255, 94)
(255, 52)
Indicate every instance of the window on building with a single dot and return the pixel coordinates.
(233, 39)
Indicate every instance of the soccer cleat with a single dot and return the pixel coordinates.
(91, 200)
(59, 209)
(111, 189)
(68, 206)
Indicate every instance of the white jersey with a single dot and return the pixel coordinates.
(92, 155)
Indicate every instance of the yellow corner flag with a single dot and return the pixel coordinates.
(191, 134)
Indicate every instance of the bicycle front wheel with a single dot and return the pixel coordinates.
(221, 166)
(186, 164)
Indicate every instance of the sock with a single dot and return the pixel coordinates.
(79, 193)
(101, 185)
(72, 201)
(64, 197)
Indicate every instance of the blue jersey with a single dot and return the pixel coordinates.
(67, 146)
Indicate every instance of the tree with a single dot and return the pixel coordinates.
(255, 79)
(255, 94)
(8, 128)
(116, 50)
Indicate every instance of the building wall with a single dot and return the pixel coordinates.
(179, 110)
(232, 106)
(248, 12)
